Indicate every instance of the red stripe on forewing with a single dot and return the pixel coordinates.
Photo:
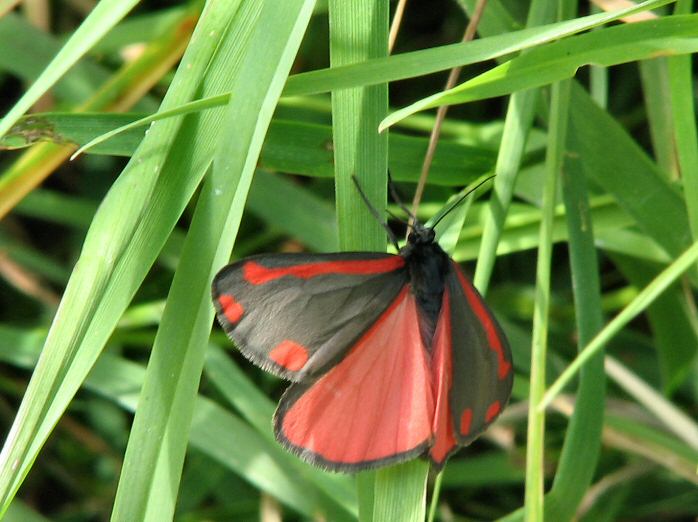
(257, 274)
(290, 355)
(377, 402)
(231, 308)
(442, 379)
(495, 343)
(492, 411)
(465, 421)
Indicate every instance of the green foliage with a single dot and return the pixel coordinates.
(119, 401)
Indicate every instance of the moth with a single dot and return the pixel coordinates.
(392, 356)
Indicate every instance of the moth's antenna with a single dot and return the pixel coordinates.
(459, 201)
(398, 218)
(396, 197)
(375, 213)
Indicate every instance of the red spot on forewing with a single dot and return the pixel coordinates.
(257, 274)
(231, 308)
(290, 355)
(442, 379)
(492, 411)
(476, 303)
(465, 421)
(377, 402)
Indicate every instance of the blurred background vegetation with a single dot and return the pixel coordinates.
(620, 215)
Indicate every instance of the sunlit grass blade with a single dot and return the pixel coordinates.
(422, 62)
(560, 60)
(417, 63)
(359, 150)
(158, 440)
(187, 108)
(118, 251)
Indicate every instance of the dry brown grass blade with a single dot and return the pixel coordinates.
(615, 5)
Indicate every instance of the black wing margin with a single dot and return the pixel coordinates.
(483, 373)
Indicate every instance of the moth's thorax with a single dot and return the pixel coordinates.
(428, 266)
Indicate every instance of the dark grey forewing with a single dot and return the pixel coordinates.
(481, 376)
(325, 314)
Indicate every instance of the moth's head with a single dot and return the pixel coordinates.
(421, 235)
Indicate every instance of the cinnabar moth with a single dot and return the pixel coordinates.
(391, 356)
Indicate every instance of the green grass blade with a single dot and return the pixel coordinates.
(417, 63)
(258, 409)
(642, 301)
(408, 65)
(616, 163)
(560, 60)
(655, 86)
(27, 51)
(294, 210)
(103, 17)
(582, 444)
(216, 432)
(517, 125)
(359, 150)
(685, 138)
(535, 447)
(366, 492)
(187, 108)
(598, 79)
(670, 320)
(154, 457)
(125, 237)
(400, 492)
(291, 146)
(678, 422)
